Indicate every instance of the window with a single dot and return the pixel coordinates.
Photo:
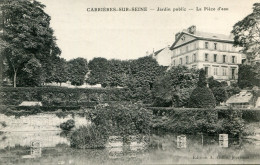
(206, 57)
(180, 61)
(215, 57)
(195, 46)
(215, 70)
(224, 58)
(187, 48)
(207, 71)
(224, 70)
(206, 45)
(187, 59)
(215, 46)
(173, 62)
(194, 57)
(233, 59)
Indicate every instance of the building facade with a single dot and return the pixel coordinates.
(163, 56)
(213, 52)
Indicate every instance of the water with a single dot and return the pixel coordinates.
(15, 147)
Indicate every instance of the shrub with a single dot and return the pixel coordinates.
(192, 121)
(68, 125)
(89, 137)
(202, 97)
(122, 119)
(220, 94)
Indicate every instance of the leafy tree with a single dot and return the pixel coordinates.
(77, 71)
(117, 73)
(247, 77)
(144, 71)
(28, 37)
(220, 94)
(174, 87)
(247, 32)
(61, 71)
(98, 71)
(202, 96)
(213, 83)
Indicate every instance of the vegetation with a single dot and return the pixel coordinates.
(247, 32)
(202, 96)
(61, 96)
(77, 71)
(68, 125)
(29, 42)
(174, 87)
(122, 119)
(89, 137)
(198, 120)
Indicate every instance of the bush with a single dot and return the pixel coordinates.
(122, 119)
(220, 94)
(193, 121)
(202, 97)
(68, 125)
(89, 137)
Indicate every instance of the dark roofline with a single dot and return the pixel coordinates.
(196, 38)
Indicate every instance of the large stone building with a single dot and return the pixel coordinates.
(213, 52)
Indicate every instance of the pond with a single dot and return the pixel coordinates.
(17, 144)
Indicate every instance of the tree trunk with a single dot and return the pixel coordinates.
(15, 73)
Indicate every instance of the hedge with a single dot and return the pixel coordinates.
(197, 120)
(60, 96)
(249, 115)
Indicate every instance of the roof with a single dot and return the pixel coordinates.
(242, 97)
(205, 36)
(157, 52)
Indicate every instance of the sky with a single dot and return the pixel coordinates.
(131, 34)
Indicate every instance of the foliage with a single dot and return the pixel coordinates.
(98, 71)
(91, 136)
(248, 76)
(29, 41)
(174, 87)
(61, 71)
(118, 73)
(68, 125)
(220, 94)
(61, 96)
(193, 121)
(232, 90)
(202, 96)
(247, 33)
(77, 71)
(213, 83)
(122, 119)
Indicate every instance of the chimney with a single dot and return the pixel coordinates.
(177, 35)
(192, 29)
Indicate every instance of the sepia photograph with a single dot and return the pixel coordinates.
(129, 82)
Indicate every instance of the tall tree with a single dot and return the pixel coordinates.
(174, 87)
(77, 70)
(247, 33)
(98, 71)
(28, 35)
